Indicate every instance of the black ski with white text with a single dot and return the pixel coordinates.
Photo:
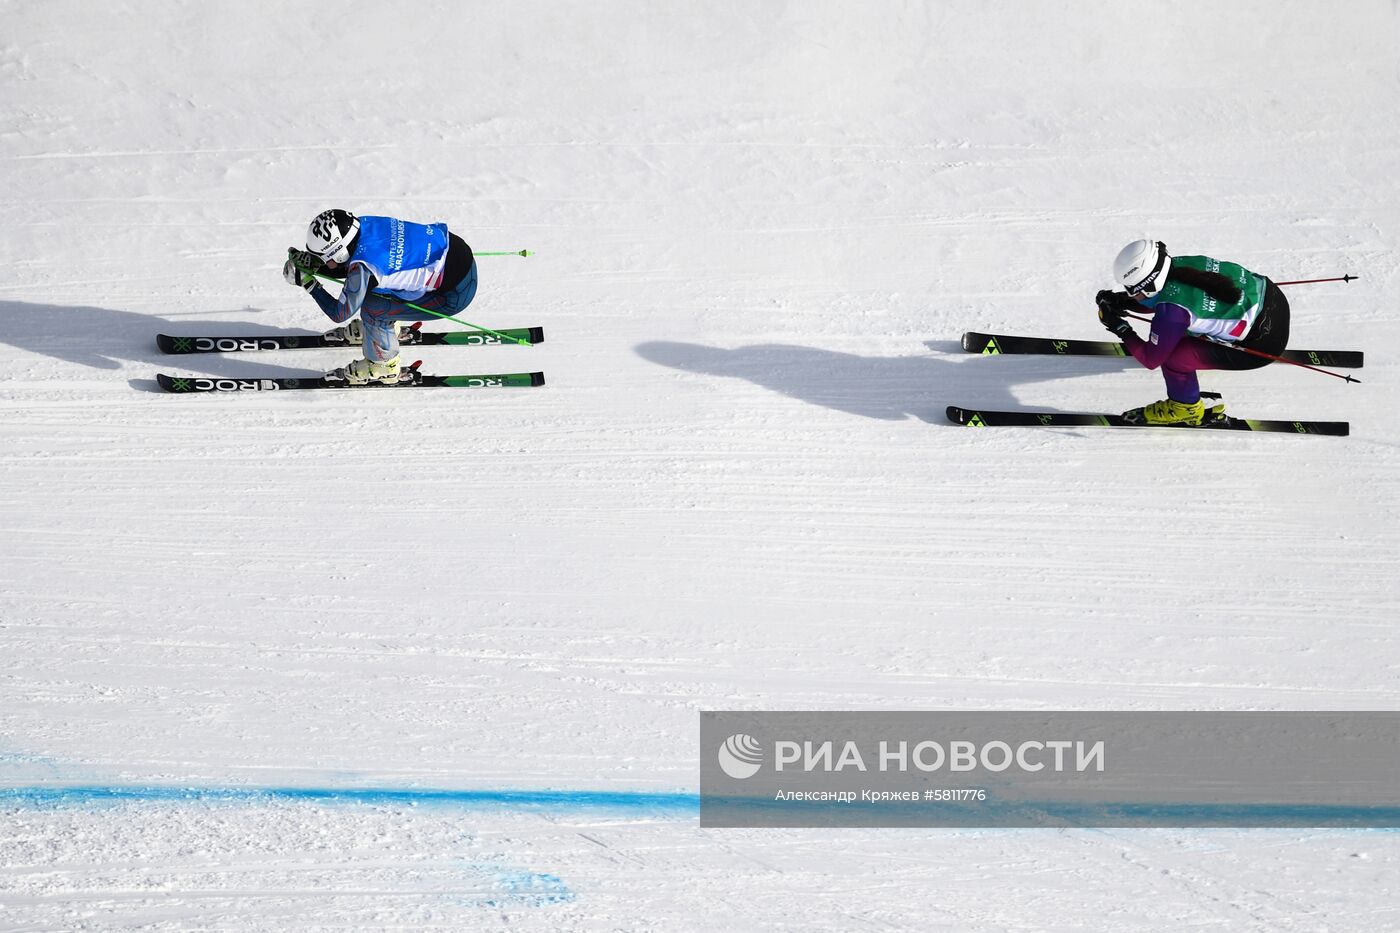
(409, 337)
(408, 379)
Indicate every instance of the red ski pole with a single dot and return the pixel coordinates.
(1252, 352)
(1269, 356)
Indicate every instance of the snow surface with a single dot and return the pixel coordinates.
(760, 230)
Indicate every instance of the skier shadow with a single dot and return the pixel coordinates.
(886, 388)
(104, 338)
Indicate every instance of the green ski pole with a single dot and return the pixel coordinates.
(446, 317)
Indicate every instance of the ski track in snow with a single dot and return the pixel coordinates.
(759, 233)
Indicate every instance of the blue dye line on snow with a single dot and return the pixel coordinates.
(678, 804)
(1005, 814)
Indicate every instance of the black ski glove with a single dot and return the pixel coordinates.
(1112, 307)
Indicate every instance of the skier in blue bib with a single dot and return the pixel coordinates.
(387, 263)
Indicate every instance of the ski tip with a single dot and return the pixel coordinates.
(165, 343)
(172, 384)
(967, 417)
(969, 341)
(536, 379)
(537, 335)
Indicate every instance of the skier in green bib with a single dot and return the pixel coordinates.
(1202, 309)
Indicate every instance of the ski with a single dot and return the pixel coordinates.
(986, 418)
(1009, 344)
(409, 337)
(409, 378)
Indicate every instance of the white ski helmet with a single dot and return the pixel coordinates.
(1142, 267)
(332, 235)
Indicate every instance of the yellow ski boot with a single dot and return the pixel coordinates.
(1170, 411)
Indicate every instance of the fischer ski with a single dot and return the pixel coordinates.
(408, 378)
(1012, 344)
(409, 337)
(986, 418)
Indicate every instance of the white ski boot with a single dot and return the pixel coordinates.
(362, 372)
(352, 334)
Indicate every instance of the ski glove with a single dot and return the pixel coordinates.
(1111, 311)
(306, 259)
(1115, 301)
(292, 270)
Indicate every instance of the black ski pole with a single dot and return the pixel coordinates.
(1340, 278)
